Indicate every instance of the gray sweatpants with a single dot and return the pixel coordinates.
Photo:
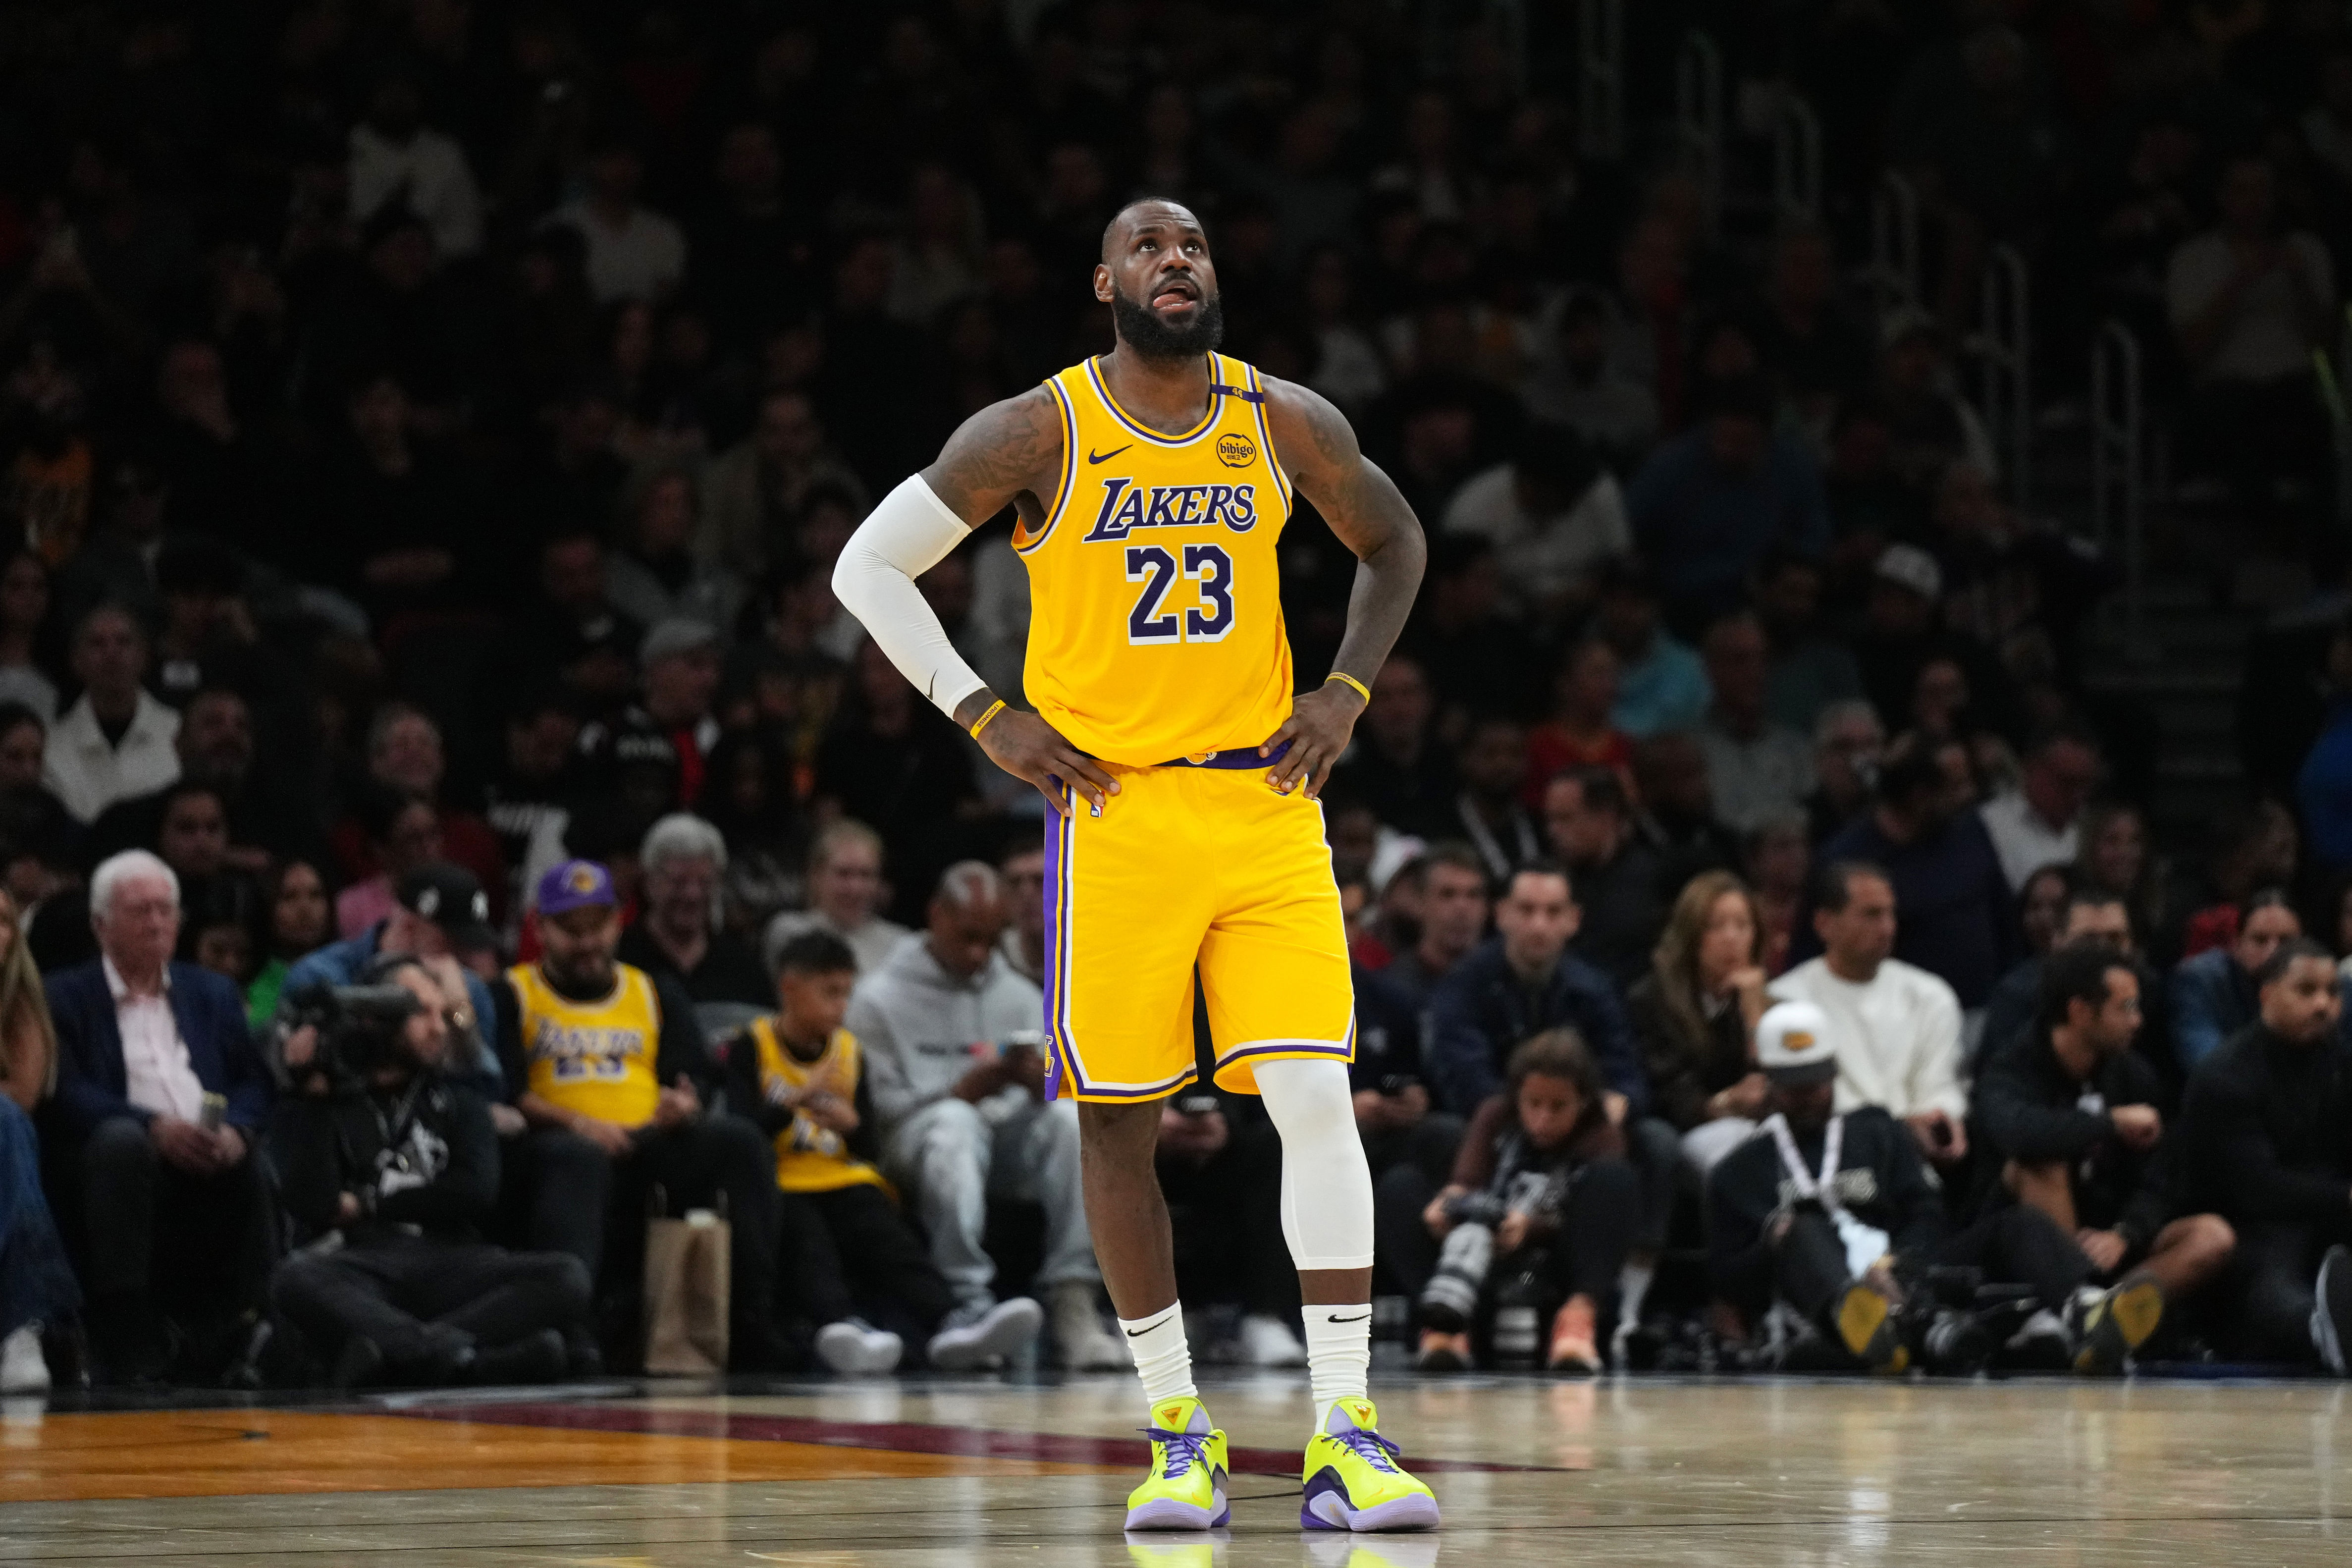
(949, 1159)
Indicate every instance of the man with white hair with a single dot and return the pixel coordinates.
(676, 936)
(951, 1036)
(161, 1098)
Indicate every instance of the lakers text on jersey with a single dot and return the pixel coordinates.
(596, 1058)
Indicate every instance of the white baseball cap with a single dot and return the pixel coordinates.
(1794, 1045)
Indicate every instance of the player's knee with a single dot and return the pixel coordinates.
(1308, 1101)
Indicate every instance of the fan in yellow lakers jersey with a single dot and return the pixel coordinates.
(1152, 484)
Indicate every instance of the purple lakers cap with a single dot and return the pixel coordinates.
(574, 885)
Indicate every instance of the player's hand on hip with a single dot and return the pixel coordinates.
(1027, 747)
(1317, 730)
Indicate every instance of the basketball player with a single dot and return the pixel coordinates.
(1151, 486)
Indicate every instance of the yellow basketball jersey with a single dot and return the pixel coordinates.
(809, 1158)
(1155, 626)
(596, 1057)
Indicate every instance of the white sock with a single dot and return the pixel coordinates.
(1162, 1356)
(1633, 1286)
(1339, 1355)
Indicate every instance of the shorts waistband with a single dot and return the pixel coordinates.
(1233, 758)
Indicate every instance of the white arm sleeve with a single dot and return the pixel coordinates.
(911, 532)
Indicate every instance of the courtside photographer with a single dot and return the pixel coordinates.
(390, 1168)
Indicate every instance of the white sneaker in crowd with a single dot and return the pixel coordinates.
(21, 1368)
(993, 1337)
(1081, 1343)
(857, 1350)
(1267, 1342)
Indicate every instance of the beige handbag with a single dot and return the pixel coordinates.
(686, 1286)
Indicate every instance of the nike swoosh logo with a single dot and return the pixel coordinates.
(1366, 1317)
(1138, 1334)
(1095, 457)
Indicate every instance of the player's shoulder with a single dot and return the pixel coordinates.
(1306, 425)
(1013, 444)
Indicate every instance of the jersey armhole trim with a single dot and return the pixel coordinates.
(1265, 439)
(1068, 475)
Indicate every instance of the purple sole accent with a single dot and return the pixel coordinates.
(1326, 1507)
(1167, 1513)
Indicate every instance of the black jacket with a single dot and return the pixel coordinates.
(425, 1156)
(1390, 1028)
(1481, 1012)
(1685, 1073)
(2029, 1110)
(1880, 1180)
(2266, 1129)
(2015, 1007)
(1625, 901)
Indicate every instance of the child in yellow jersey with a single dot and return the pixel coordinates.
(799, 1075)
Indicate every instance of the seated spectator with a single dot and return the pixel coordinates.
(1542, 1201)
(572, 634)
(1582, 384)
(1756, 767)
(608, 1067)
(115, 742)
(1848, 740)
(29, 813)
(36, 1283)
(634, 252)
(1553, 515)
(2086, 917)
(892, 757)
(24, 610)
(1959, 924)
(2075, 1116)
(438, 911)
(1695, 1012)
(1898, 1027)
(749, 800)
(801, 1076)
(1661, 686)
(159, 1099)
(951, 1036)
(1396, 765)
(400, 1164)
(215, 745)
(2041, 903)
(1451, 907)
(1710, 504)
(1579, 732)
(1479, 660)
(1834, 1216)
(297, 919)
(402, 832)
(1903, 633)
(1807, 670)
(845, 896)
(2214, 994)
(1219, 1160)
(1488, 811)
(655, 576)
(670, 727)
(2248, 303)
(1677, 807)
(1621, 881)
(405, 755)
(2261, 1144)
(1930, 425)
(2115, 856)
(676, 937)
(2039, 823)
(2253, 847)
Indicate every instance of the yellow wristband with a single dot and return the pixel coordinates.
(982, 723)
(1362, 690)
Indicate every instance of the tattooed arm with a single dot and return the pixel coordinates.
(1009, 454)
(1364, 508)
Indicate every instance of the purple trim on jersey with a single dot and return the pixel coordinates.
(1056, 884)
(1266, 437)
(1235, 758)
(1069, 465)
(1156, 437)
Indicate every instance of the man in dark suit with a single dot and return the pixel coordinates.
(158, 1097)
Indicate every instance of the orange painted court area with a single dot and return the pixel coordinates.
(85, 1457)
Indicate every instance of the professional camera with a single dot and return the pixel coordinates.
(359, 1027)
(1477, 1208)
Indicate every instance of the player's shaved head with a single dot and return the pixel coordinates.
(1138, 211)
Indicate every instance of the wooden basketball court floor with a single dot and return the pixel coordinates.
(927, 1474)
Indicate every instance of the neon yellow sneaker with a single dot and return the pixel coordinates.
(1186, 1488)
(1353, 1481)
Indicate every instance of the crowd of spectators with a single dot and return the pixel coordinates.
(426, 431)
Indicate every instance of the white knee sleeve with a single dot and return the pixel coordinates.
(1327, 1186)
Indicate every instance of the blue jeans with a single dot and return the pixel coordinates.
(36, 1284)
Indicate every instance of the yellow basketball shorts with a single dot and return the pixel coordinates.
(1190, 866)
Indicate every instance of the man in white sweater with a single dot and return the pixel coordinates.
(1898, 1027)
(950, 1034)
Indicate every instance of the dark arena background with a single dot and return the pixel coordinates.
(1887, 473)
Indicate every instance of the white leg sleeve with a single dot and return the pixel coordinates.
(1327, 1184)
(908, 535)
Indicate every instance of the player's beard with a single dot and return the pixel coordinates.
(1142, 328)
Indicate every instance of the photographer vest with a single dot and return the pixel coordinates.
(593, 1057)
(809, 1158)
